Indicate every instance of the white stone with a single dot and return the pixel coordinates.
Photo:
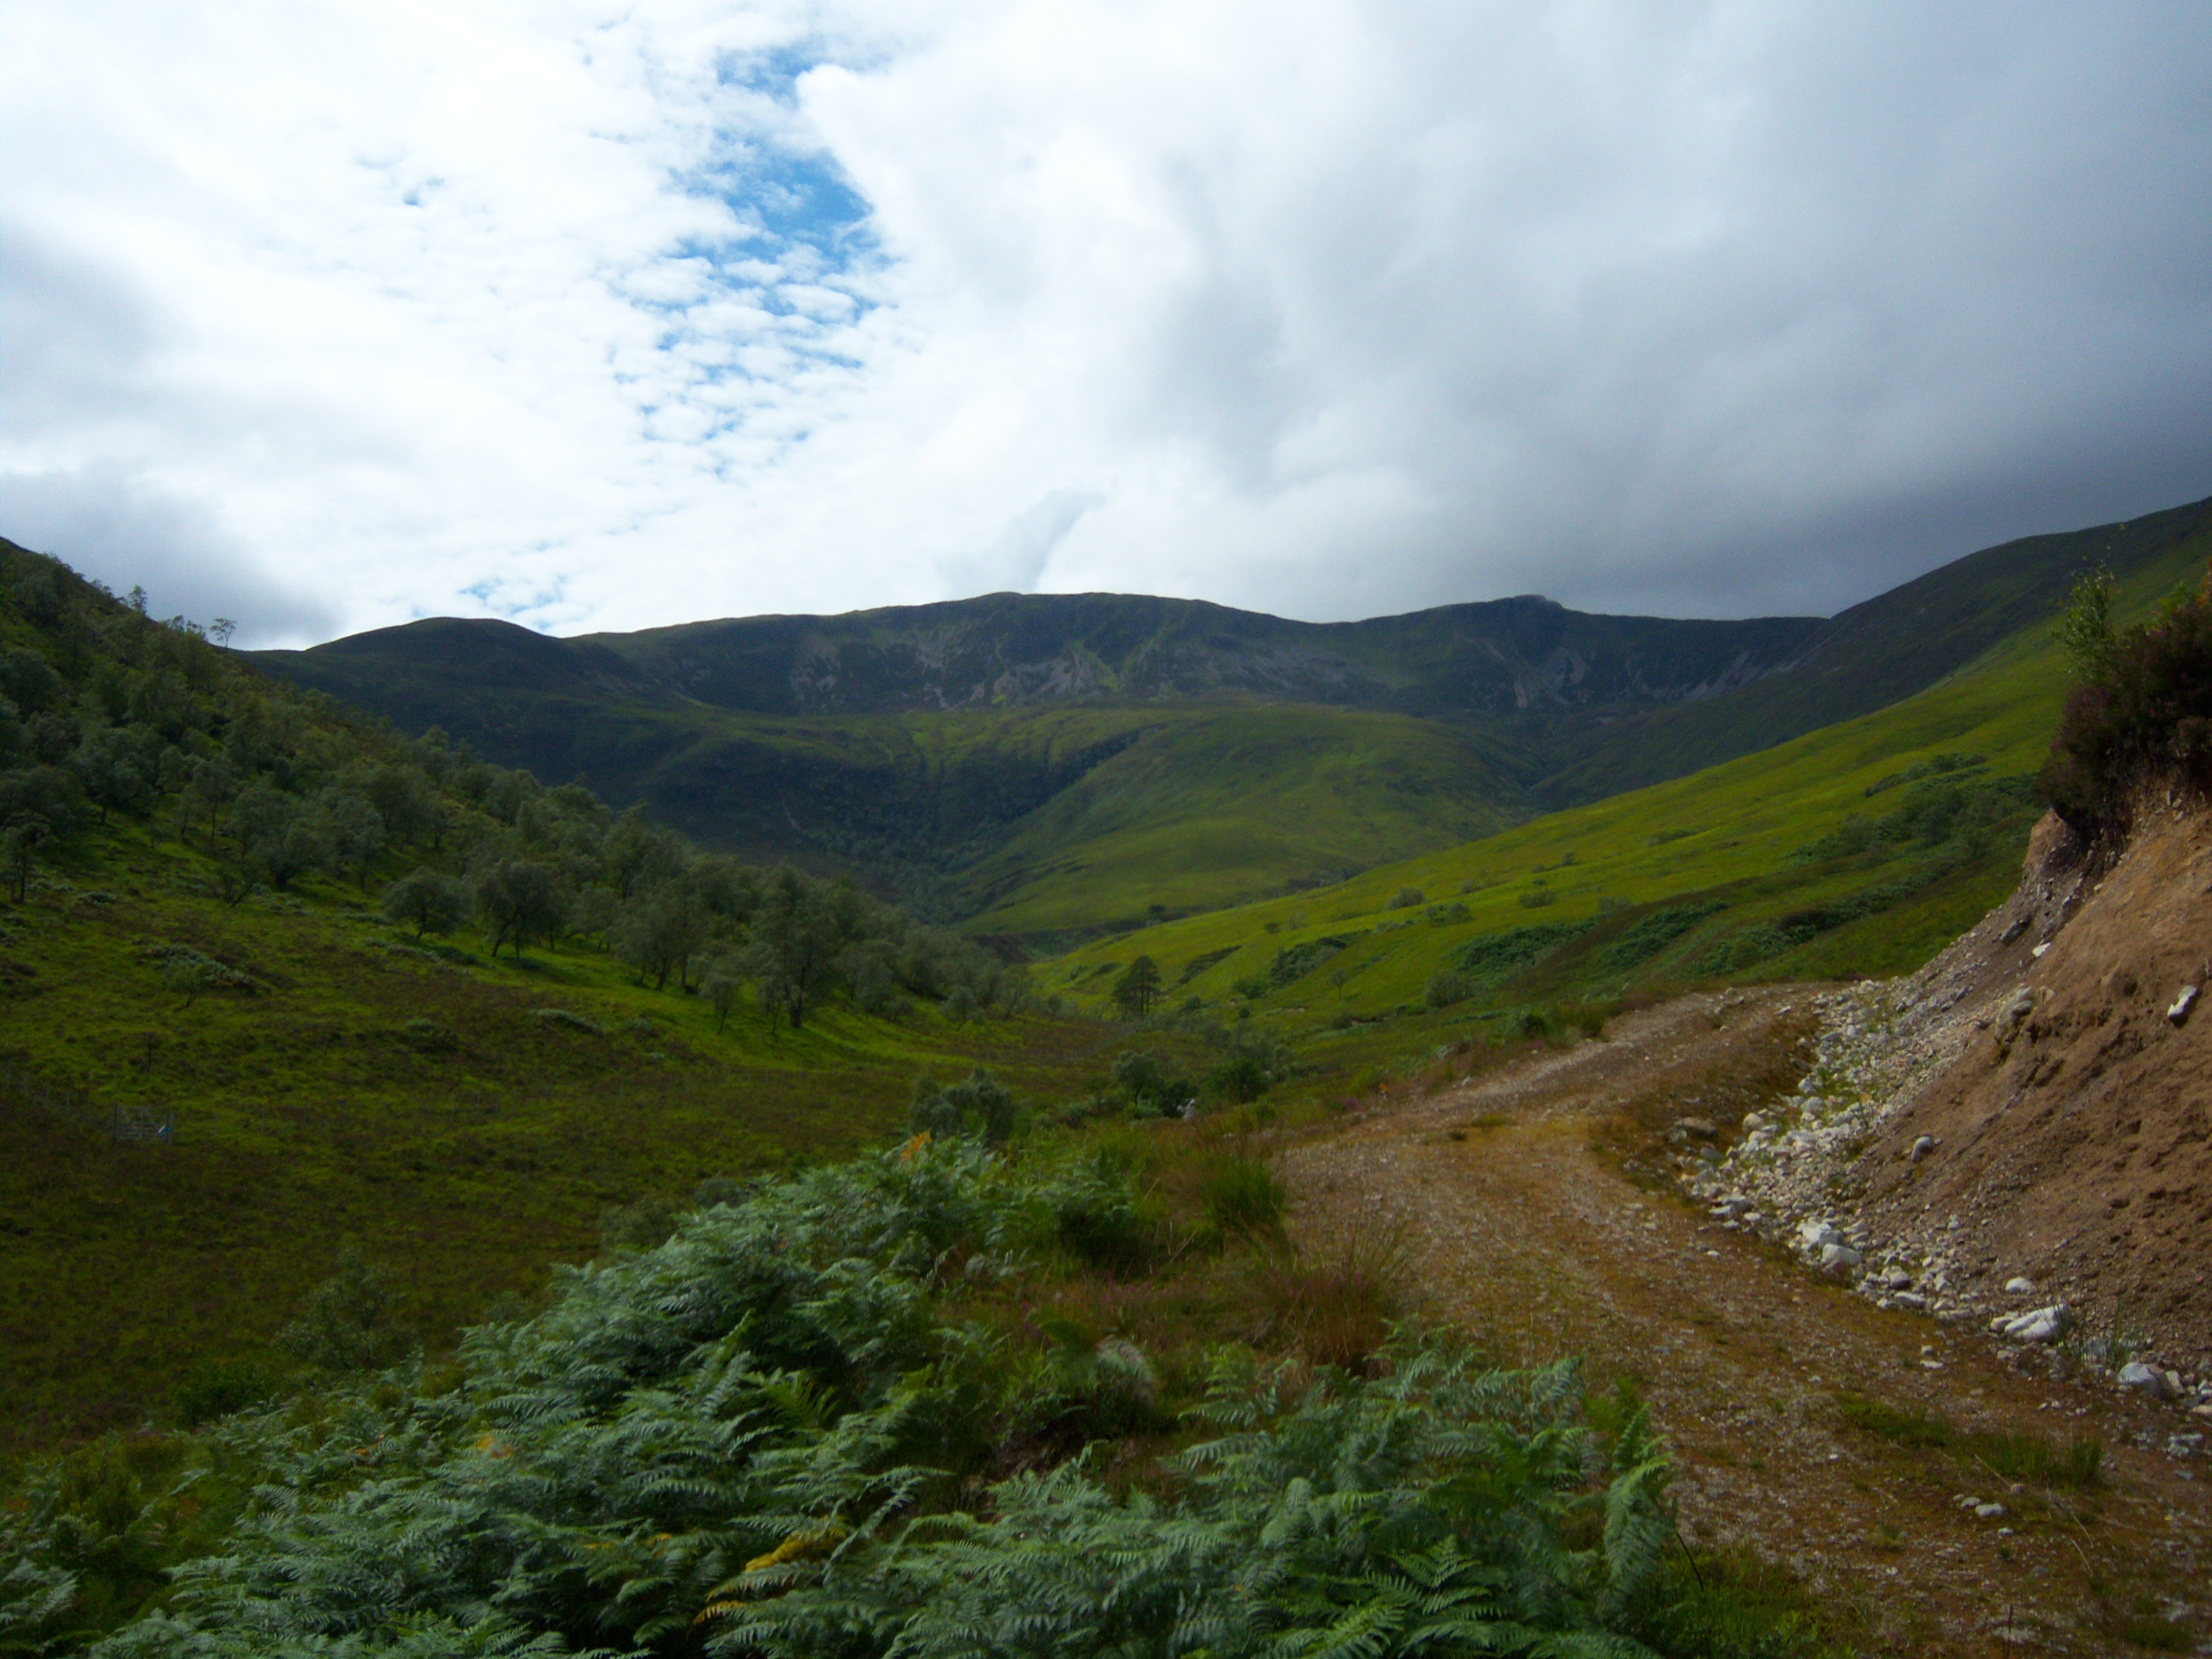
(2179, 1014)
(2038, 1324)
(1839, 1256)
(1816, 1234)
(2019, 1287)
(2149, 1378)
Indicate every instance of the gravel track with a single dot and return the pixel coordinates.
(1527, 1231)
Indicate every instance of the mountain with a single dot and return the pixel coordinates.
(1040, 765)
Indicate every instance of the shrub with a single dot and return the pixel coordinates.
(1445, 989)
(1296, 961)
(1407, 897)
(1148, 1083)
(1099, 1218)
(1537, 897)
(568, 1022)
(1242, 1198)
(981, 1106)
(429, 1036)
(737, 1443)
(217, 1388)
(1337, 1308)
(350, 1324)
(1240, 1078)
(2140, 712)
(1648, 935)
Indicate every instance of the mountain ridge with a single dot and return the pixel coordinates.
(969, 755)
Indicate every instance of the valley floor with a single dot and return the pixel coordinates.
(1515, 1197)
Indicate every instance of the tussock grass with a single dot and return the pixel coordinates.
(2077, 1462)
(1336, 1304)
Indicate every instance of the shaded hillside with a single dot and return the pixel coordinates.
(1874, 653)
(1016, 649)
(1037, 763)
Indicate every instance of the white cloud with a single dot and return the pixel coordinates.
(565, 311)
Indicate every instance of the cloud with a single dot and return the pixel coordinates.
(601, 318)
(116, 529)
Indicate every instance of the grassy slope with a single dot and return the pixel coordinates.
(308, 1115)
(1219, 805)
(1743, 820)
(1058, 818)
(1043, 821)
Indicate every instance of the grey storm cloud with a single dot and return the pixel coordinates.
(1327, 308)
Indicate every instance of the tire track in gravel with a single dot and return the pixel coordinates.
(1524, 1233)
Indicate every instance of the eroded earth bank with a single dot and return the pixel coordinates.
(1879, 1257)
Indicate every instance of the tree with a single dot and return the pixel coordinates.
(277, 835)
(720, 986)
(638, 854)
(660, 933)
(350, 1323)
(402, 798)
(1139, 988)
(427, 902)
(351, 828)
(520, 903)
(36, 805)
(797, 940)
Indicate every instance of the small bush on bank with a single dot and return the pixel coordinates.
(2140, 711)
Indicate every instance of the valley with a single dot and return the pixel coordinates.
(1038, 767)
(1290, 1061)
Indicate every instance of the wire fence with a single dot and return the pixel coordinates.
(156, 1125)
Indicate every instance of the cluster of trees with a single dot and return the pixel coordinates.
(565, 867)
(105, 710)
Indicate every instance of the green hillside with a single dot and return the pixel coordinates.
(1040, 765)
(1858, 849)
(192, 862)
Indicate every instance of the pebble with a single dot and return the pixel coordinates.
(2019, 1287)
(2179, 1014)
(1922, 1146)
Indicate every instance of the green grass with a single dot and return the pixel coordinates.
(1730, 842)
(2008, 1457)
(1050, 822)
(427, 1109)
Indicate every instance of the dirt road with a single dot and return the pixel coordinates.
(1519, 1193)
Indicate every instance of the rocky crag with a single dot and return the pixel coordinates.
(2019, 1136)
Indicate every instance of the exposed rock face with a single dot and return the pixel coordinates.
(2031, 1114)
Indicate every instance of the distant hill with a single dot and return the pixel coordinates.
(1036, 763)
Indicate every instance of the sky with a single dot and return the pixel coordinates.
(602, 316)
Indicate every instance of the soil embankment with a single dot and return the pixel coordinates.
(1541, 1210)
